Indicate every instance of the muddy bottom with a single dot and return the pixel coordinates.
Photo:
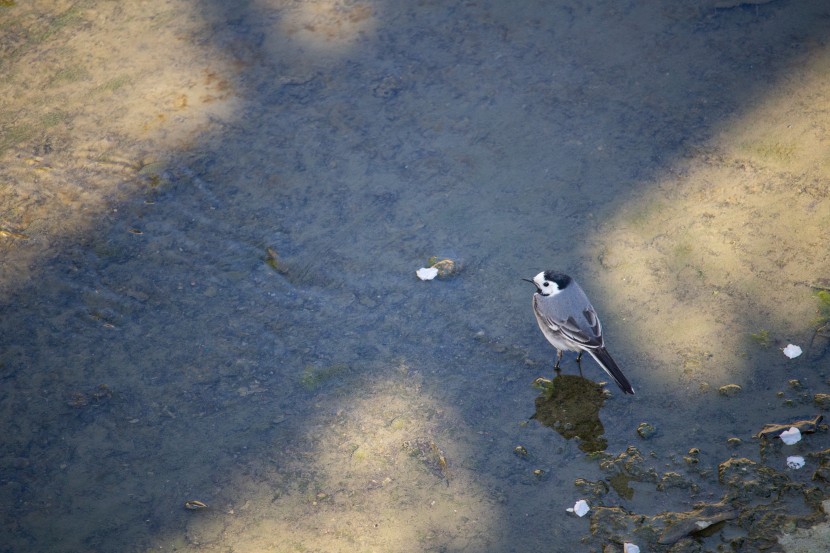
(213, 337)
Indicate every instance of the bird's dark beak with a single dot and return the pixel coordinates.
(530, 281)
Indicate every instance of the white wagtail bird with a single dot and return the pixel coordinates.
(569, 322)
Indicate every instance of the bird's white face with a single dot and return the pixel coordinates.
(545, 287)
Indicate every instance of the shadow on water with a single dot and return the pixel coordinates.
(238, 321)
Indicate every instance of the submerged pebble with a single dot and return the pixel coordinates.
(646, 430)
(441, 268)
(520, 451)
(822, 400)
(730, 390)
(445, 267)
(427, 452)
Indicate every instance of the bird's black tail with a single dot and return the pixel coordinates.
(608, 364)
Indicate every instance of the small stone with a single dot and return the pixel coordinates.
(794, 383)
(646, 430)
(730, 390)
(598, 488)
(822, 472)
(692, 457)
(520, 451)
(822, 400)
(673, 480)
(446, 267)
(734, 442)
(388, 87)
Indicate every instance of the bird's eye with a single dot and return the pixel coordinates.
(546, 284)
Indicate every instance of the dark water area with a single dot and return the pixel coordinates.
(212, 218)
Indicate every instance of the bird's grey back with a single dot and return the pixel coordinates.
(572, 300)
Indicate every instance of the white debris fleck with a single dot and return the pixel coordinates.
(427, 273)
(580, 508)
(630, 548)
(703, 524)
(792, 351)
(795, 462)
(791, 436)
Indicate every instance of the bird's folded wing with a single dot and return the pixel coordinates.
(589, 335)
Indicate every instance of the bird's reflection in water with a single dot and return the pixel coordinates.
(570, 405)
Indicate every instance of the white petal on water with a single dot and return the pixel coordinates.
(795, 462)
(792, 351)
(580, 508)
(630, 548)
(427, 273)
(791, 436)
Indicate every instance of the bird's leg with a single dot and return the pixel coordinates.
(558, 359)
(578, 363)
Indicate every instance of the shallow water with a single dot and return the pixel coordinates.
(211, 222)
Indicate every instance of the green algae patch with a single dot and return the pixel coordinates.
(314, 377)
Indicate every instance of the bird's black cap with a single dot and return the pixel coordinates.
(561, 279)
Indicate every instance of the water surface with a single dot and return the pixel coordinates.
(212, 217)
